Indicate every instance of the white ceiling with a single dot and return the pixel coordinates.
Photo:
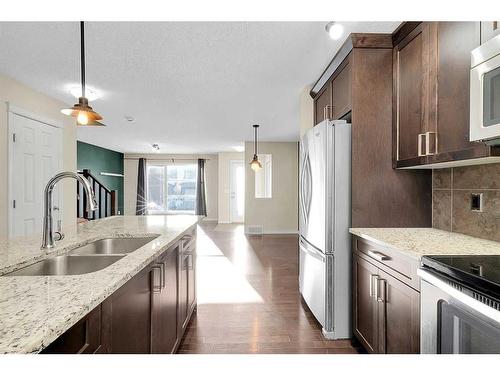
(192, 87)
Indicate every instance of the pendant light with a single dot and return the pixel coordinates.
(255, 163)
(85, 115)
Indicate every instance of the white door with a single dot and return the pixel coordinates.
(34, 157)
(237, 190)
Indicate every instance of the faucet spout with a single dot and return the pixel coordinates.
(48, 232)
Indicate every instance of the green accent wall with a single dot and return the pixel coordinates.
(98, 160)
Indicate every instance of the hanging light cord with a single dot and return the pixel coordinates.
(255, 139)
(82, 55)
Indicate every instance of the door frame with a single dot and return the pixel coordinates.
(231, 163)
(14, 110)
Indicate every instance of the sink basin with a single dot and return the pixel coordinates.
(68, 265)
(106, 246)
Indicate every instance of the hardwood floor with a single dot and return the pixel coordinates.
(248, 298)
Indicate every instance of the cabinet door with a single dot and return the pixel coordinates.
(183, 290)
(127, 315)
(164, 315)
(455, 42)
(365, 319)
(341, 92)
(399, 316)
(191, 270)
(489, 29)
(83, 338)
(408, 67)
(323, 99)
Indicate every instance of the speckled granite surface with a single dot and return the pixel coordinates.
(35, 310)
(418, 242)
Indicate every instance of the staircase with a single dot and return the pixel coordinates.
(106, 199)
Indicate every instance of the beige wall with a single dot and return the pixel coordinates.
(27, 99)
(278, 214)
(224, 184)
(130, 179)
(306, 119)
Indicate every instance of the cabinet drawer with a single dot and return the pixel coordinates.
(401, 266)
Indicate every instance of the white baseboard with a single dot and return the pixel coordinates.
(284, 231)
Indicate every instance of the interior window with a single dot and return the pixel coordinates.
(172, 188)
(263, 177)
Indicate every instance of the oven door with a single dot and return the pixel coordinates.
(453, 322)
(485, 101)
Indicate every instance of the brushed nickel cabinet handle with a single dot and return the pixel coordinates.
(326, 112)
(156, 289)
(381, 290)
(377, 255)
(419, 144)
(372, 276)
(428, 136)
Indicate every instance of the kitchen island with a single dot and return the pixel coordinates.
(36, 310)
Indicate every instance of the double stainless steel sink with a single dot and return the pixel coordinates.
(91, 257)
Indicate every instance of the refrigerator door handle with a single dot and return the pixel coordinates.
(302, 192)
(308, 178)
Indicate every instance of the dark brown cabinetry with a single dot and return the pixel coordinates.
(148, 314)
(323, 104)
(164, 336)
(127, 315)
(386, 305)
(341, 91)
(431, 68)
(83, 338)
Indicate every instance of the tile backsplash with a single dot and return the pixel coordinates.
(451, 200)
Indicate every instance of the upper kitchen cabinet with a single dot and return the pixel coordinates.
(361, 82)
(431, 69)
(489, 29)
(323, 104)
(341, 91)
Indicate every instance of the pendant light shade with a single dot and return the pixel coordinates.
(84, 114)
(255, 163)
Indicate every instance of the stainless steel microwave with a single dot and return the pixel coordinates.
(485, 92)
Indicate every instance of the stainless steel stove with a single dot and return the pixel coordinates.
(460, 304)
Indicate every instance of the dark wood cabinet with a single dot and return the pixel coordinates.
(409, 65)
(341, 91)
(127, 314)
(148, 314)
(164, 335)
(83, 338)
(323, 104)
(187, 280)
(386, 305)
(399, 316)
(365, 312)
(431, 69)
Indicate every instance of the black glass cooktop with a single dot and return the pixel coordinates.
(481, 272)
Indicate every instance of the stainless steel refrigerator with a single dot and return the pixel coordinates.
(324, 220)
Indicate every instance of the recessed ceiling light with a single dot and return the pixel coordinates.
(334, 29)
(90, 93)
(129, 118)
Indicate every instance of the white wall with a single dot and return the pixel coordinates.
(130, 167)
(278, 214)
(23, 97)
(224, 184)
(306, 120)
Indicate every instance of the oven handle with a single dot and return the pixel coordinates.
(460, 296)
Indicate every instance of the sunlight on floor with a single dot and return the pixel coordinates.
(218, 280)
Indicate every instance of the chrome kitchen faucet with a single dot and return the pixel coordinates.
(48, 233)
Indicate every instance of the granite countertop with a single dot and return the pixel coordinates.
(418, 242)
(35, 310)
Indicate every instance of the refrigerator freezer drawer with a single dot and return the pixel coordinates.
(312, 281)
